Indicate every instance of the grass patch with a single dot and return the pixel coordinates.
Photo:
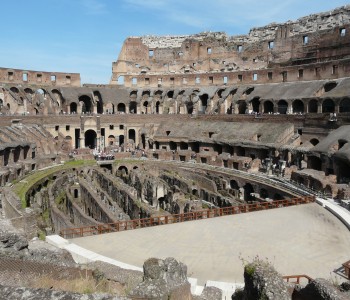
(86, 285)
(21, 188)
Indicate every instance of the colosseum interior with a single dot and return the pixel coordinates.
(187, 124)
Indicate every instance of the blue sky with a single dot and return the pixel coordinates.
(85, 36)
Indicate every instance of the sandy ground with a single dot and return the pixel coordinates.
(304, 239)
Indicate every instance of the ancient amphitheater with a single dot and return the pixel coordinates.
(191, 127)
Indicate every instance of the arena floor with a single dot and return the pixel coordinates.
(304, 239)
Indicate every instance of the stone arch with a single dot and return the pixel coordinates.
(121, 140)
(146, 107)
(328, 106)
(14, 90)
(109, 107)
(73, 108)
(172, 145)
(248, 190)
(158, 94)
(86, 104)
(220, 92)
(121, 108)
(344, 105)
(122, 170)
(234, 185)
(264, 193)
(189, 107)
(204, 102)
(132, 135)
(242, 107)
(58, 96)
(313, 106)
(99, 101)
(183, 146)
(90, 138)
(282, 107)
(157, 107)
(315, 163)
(255, 104)
(111, 140)
(133, 95)
(133, 107)
(268, 107)
(298, 106)
(170, 94)
(143, 141)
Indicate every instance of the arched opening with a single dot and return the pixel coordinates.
(240, 151)
(314, 141)
(328, 106)
(256, 104)
(248, 190)
(282, 107)
(121, 108)
(204, 102)
(344, 105)
(120, 80)
(172, 146)
(121, 140)
(14, 90)
(220, 91)
(234, 185)
(73, 108)
(90, 139)
(132, 135)
(264, 193)
(329, 86)
(109, 107)
(99, 102)
(298, 106)
(315, 163)
(268, 107)
(133, 95)
(145, 106)
(76, 193)
(86, 104)
(157, 107)
(170, 94)
(143, 141)
(189, 106)
(111, 140)
(313, 105)
(133, 107)
(162, 203)
(242, 107)
(158, 94)
(183, 146)
(99, 107)
(248, 91)
(122, 170)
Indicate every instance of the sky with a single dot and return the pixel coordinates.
(85, 36)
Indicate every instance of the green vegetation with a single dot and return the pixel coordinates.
(21, 188)
(250, 269)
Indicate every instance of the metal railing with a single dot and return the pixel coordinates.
(296, 279)
(178, 218)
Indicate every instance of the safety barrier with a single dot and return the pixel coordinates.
(297, 279)
(178, 218)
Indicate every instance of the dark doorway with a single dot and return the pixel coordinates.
(90, 139)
